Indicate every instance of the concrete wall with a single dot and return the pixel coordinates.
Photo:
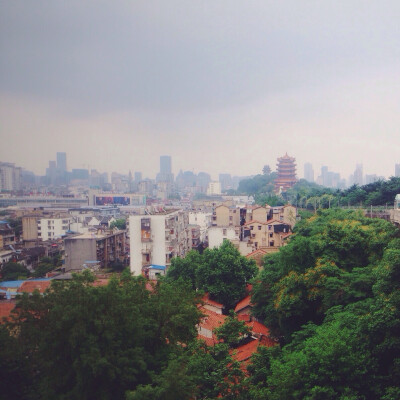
(77, 251)
(29, 228)
(216, 235)
(135, 244)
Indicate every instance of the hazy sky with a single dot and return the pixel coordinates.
(220, 85)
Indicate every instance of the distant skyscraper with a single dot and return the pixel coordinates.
(308, 172)
(397, 170)
(62, 161)
(358, 175)
(165, 165)
(138, 176)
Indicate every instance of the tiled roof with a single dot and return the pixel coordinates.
(212, 341)
(30, 286)
(5, 309)
(255, 252)
(211, 319)
(244, 352)
(258, 328)
(243, 303)
(206, 299)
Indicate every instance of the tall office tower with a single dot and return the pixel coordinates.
(62, 161)
(358, 175)
(286, 168)
(138, 177)
(165, 164)
(308, 172)
(397, 170)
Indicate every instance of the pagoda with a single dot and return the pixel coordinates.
(286, 168)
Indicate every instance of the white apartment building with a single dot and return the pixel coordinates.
(10, 176)
(214, 188)
(156, 238)
(53, 228)
(203, 219)
(217, 235)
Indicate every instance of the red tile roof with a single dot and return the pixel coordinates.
(255, 252)
(5, 309)
(30, 286)
(211, 319)
(206, 299)
(244, 352)
(243, 303)
(258, 328)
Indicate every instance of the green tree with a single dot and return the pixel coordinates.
(232, 331)
(119, 223)
(12, 271)
(224, 274)
(82, 341)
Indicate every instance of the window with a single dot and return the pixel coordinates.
(230, 218)
(270, 235)
(224, 232)
(251, 227)
(259, 227)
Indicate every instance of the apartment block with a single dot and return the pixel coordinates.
(158, 237)
(100, 248)
(226, 216)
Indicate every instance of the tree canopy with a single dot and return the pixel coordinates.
(222, 272)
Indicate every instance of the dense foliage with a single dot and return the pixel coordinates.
(12, 271)
(82, 342)
(332, 298)
(312, 196)
(222, 272)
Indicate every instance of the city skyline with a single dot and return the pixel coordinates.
(221, 87)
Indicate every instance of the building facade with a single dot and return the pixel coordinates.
(156, 238)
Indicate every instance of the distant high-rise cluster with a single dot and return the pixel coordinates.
(286, 168)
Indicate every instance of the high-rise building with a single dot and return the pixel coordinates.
(358, 175)
(165, 165)
(62, 162)
(308, 172)
(10, 176)
(286, 168)
(397, 170)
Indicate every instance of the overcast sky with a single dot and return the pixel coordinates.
(220, 85)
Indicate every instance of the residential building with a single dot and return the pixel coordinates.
(286, 168)
(397, 170)
(268, 236)
(214, 188)
(158, 237)
(10, 177)
(218, 234)
(226, 216)
(203, 220)
(53, 228)
(100, 248)
(7, 235)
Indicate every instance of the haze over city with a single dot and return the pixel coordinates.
(224, 86)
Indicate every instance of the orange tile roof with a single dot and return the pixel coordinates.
(258, 328)
(244, 317)
(211, 319)
(206, 299)
(255, 252)
(30, 286)
(212, 341)
(243, 303)
(5, 309)
(244, 352)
